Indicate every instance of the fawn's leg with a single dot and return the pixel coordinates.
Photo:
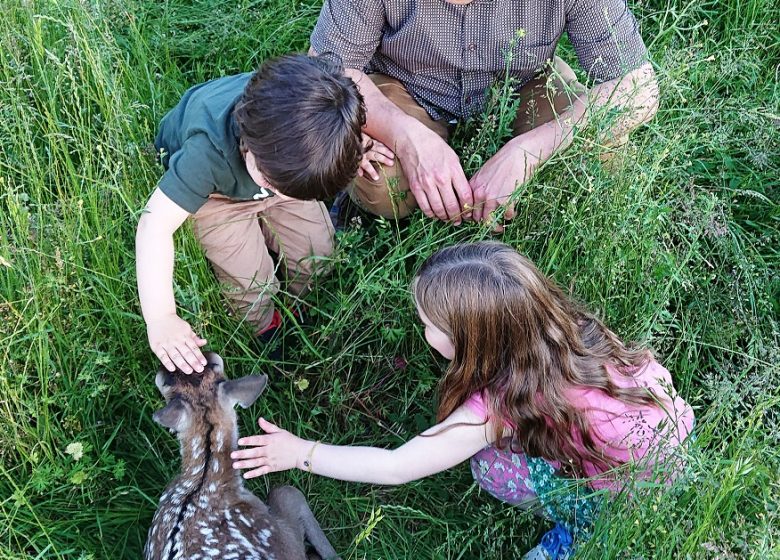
(290, 504)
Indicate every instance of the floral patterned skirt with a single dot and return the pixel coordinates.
(532, 482)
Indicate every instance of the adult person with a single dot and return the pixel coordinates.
(422, 65)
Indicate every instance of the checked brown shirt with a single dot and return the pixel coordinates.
(448, 55)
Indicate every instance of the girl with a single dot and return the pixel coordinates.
(553, 409)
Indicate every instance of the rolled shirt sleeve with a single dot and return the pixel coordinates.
(194, 172)
(606, 38)
(351, 29)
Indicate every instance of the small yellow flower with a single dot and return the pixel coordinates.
(75, 450)
(302, 384)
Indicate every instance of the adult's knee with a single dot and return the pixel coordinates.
(389, 196)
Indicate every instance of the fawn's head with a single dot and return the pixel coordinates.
(192, 399)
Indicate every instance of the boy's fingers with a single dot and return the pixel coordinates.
(366, 166)
(176, 357)
(192, 344)
(192, 360)
(381, 149)
(166, 361)
(381, 158)
(387, 151)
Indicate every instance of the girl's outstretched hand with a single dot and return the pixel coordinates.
(276, 450)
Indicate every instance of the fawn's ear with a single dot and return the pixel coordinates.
(173, 415)
(243, 391)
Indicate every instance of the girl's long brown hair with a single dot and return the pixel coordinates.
(521, 342)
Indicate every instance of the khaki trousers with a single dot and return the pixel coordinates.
(541, 100)
(237, 235)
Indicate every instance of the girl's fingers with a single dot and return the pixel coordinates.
(250, 463)
(257, 472)
(256, 441)
(251, 453)
(267, 426)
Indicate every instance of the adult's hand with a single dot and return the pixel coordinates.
(493, 184)
(435, 176)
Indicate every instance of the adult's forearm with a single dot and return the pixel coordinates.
(635, 96)
(384, 120)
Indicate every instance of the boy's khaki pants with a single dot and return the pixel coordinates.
(541, 100)
(236, 237)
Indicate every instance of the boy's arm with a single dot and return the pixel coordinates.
(170, 337)
(439, 448)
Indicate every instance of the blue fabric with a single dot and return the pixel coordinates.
(557, 542)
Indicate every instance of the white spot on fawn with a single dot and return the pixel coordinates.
(195, 447)
(265, 534)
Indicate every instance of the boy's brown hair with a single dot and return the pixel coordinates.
(301, 117)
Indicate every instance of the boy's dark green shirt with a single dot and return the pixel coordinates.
(201, 142)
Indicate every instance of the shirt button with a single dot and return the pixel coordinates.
(472, 47)
(257, 196)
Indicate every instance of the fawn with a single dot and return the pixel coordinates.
(206, 512)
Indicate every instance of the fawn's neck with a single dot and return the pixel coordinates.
(205, 459)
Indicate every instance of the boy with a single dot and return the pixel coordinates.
(247, 157)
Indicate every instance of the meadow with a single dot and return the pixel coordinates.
(675, 244)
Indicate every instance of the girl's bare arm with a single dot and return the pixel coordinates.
(437, 449)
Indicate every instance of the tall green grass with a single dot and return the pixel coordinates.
(676, 246)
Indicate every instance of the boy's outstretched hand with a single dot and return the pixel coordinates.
(277, 450)
(174, 342)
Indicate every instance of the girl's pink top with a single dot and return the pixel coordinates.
(626, 433)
